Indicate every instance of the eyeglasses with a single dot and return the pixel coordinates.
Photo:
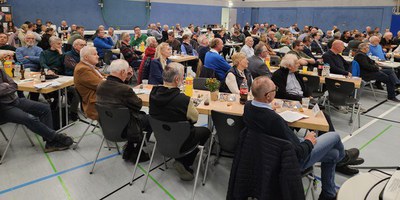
(276, 90)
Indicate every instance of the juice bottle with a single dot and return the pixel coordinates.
(8, 68)
(189, 85)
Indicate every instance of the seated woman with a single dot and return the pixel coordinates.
(263, 38)
(187, 49)
(128, 51)
(158, 64)
(285, 44)
(237, 74)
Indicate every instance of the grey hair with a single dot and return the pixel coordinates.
(289, 60)
(258, 49)
(149, 39)
(77, 41)
(118, 65)
(171, 71)
(362, 46)
(372, 38)
(123, 34)
(54, 39)
(86, 51)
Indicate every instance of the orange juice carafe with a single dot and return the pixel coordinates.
(268, 62)
(8, 68)
(189, 86)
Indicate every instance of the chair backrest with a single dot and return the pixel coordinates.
(199, 83)
(170, 137)
(207, 72)
(107, 56)
(311, 82)
(275, 61)
(113, 120)
(339, 91)
(228, 129)
(199, 68)
(355, 68)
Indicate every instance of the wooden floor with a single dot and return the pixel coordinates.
(29, 173)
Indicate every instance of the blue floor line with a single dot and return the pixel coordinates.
(319, 179)
(54, 175)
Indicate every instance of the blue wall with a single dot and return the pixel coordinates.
(343, 17)
(127, 13)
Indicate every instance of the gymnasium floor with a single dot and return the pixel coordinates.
(29, 173)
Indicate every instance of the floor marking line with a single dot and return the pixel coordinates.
(358, 131)
(373, 107)
(384, 119)
(374, 138)
(157, 183)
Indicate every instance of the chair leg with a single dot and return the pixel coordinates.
(208, 158)
(352, 113)
(108, 145)
(358, 115)
(373, 91)
(116, 146)
(148, 168)
(97, 156)
(8, 145)
(165, 163)
(27, 135)
(137, 159)
(95, 126)
(83, 135)
(197, 171)
(4, 135)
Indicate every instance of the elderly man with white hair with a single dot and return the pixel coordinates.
(204, 47)
(29, 55)
(72, 57)
(376, 49)
(53, 59)
(86, 80)
(64, 29)
(387, 42)
(248, 47)
(114, 92)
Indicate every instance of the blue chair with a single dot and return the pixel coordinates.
(355, 71)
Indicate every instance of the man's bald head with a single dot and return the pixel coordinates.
(260, 87)
(337, 46)
(374, 40)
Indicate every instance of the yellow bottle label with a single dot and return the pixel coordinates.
(8, 68)
(189, 86)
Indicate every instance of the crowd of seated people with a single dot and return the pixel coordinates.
(41, 47)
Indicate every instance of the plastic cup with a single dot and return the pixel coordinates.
(305, 102)
(145, 81)
(304, 69)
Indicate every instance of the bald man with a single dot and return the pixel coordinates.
(335, 60)
(327, 148)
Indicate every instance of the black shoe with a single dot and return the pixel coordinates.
(143, 157)
(128, 149)
(323, 197)
(394, 99)
(63, 139)
(55, 146)
(73, 116)
(346, 170)
(379, 86)
(350, 157)
(358, 161)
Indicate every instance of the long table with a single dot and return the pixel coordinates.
(356, 80)
(180, 58)
(29, 84)
(386, 64)
(235, 108)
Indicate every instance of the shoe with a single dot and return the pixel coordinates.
(143, 157)
(394, 99)
(128, 149)
(342, 109)
(351, 156)
(184, 174)
(55, 146)
(346, 170)
(63, 139)
(73, 116)
(357, 161)
(323, 197)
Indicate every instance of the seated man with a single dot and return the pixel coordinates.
(114, 92)
(203, 48)
(86, 80)
(257, 66)
(272, 40)
(375, 49)
(215, 61)
(316, 45)
(138, 38)
(328, 149)
(78, 34)
(155, 32)
(34, 115)
(338, 65)
(353, 44)
(29, 55)
(3, 43)
(248, 47)
(167, 103)
(173, 42)
(53, 58)
(297, 49)
(370, 70)
(102, 42)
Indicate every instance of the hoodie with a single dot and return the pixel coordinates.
(148, 53)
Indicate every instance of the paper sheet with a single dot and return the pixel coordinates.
(291, 116)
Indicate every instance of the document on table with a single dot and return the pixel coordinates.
(141, 91)
(291, 116)
(47, 84)
(336, 76)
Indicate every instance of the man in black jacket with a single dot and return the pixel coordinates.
(337, 63)
(370, 70)
(328, 149)
(167, 103)
(115, 92)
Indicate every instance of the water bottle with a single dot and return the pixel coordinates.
(17, 70)
(244, 90)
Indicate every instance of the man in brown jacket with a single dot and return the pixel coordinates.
(86, 80)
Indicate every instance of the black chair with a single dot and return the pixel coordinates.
(312, 83)
(275, 61)
(199, 83)
(170, 136)
(207, 73)
(228, 128)
(340, 93)
(107, 56)
(67, 47)
(113, 121)
(12, 137)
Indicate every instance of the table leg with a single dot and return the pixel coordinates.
(66, 106)
(210, 123)
(59, 107)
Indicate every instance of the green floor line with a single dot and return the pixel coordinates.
(374, 138)
(55, 170)
(159, 185)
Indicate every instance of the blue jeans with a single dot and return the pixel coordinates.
(34, 115)
(328, 150)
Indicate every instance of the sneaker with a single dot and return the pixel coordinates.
(394, 99)
(63, 139)
(184, 174)
(357, 161)
(346, 170)
(55, 146)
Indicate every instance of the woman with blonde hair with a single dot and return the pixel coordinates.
(237, 74)
(157, 65)
(21, 34)
(263, 38)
